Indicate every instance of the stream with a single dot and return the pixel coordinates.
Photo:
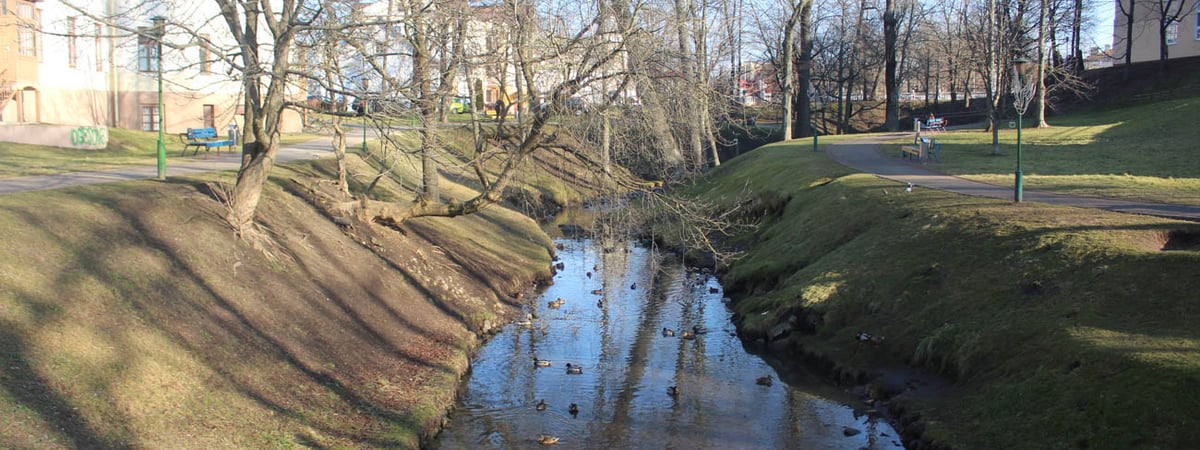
(610, 322)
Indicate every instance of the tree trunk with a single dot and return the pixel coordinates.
(789, 30)
(1041, 73)
(891, 83)
(1127, 71)
(993, 32)
(1077, 38)
(806, 65)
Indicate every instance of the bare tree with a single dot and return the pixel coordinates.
(891, 20)
(1167, 13)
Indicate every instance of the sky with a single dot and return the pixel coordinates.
(1101, 34)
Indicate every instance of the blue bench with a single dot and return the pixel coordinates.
(936, 124)
(206, 138)
(926, 149)
(933, 149)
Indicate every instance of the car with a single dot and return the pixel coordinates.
(319, 103)
(460, 104)
(575, 106)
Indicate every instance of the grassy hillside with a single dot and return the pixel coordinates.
(1058, 327)
(1145, 152)
(131, 317)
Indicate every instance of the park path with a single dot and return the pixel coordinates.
(316, 148)
(860, 154)
(863, 155)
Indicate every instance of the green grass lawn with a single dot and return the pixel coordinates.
(1146, 152)
(1057, 327)
(125, 148)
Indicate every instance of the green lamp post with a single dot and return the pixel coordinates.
(1022, 89)
(158, 31)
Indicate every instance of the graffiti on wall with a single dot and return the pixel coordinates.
(89, 137)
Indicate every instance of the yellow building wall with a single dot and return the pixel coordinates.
(1146, 36)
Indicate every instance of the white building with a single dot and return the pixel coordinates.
(83, 68)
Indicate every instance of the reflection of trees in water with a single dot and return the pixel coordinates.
(616, 432)
(628, 365)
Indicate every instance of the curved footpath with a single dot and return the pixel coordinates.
(861, 155)
(864, 156)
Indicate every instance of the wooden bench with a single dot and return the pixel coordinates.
(909, 151)
(206, 138)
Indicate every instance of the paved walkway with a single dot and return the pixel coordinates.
(175, 167)
(862, 155)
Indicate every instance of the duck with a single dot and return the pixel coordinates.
(864, 338)
(598, 292)
(556, 303)
(687, 335)
(540, 362)
(573, 409)
(667, 332)
(546, 439)
(763, 381)
(633, 286)
(541, 405)
(673, 391)
(574, 369)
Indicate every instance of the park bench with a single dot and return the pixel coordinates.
(926, 149)
(936, 124)
(206, 138)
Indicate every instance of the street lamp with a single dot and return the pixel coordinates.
(158, 31)
(1022, 90)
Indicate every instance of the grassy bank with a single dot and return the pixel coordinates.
(131, 317)
(1057, 327)
(1144, 152)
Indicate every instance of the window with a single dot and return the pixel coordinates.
(99, 48)
(1198, 21)
(1172, 33)
(147, 53)
(149, 117)
(25, 42)
(205, 66)
(71, 55)
(210, 118)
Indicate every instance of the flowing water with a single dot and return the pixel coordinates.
(615, 306)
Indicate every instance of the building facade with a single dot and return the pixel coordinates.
(100, 67)
(1182, 33)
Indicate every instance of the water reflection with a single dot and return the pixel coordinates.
(611, 323)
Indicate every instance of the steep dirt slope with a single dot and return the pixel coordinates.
(131, 317)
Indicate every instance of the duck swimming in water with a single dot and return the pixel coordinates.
(673, 391)
(667, 332)
(541, 406)
(574, 369)
(547, 439)
(763, 381)
(540, 362)
(573, 409)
